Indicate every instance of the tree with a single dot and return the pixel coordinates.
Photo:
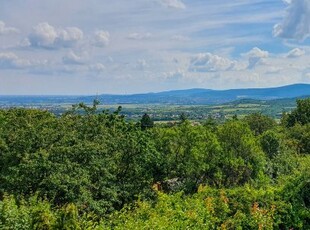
(210, 123)
(259, 123)
(270, 143)
(300, 115)
(146, 122)
(187, 153)
(241, 159)
(94, 160)
(300, 136)
(183, 117)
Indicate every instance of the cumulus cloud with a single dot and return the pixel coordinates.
(10, 60)
(139, 36)
(295, 53)
(256, 56)
(296, 24)
(6, 30)
(47, 36)
(207, 62)
(69, 35)
(174, 4)
(43, 35)
(102, 38)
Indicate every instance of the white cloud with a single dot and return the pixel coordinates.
(69, 35)
(47, 36)
(256, 56)
(43, 35)
(6, 30)
(72, 59)
(174, 4)
(207, 62)
(139, 36)
(102, 38)
(297, 52)
(296, 24)
(12, 61)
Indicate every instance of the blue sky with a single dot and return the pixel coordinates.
(132, 46)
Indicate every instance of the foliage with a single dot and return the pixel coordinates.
(89, 169)
(259, 123)
(299, 136)
(241, 158)
(146, 122)
(300, 115)
(187, 153)
(97, 161)
(270, 143)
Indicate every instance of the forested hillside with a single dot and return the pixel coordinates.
(85, 170)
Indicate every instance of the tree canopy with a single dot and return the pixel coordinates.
(89, 169)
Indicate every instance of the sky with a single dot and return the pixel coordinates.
(78, 47)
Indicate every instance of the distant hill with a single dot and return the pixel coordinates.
(175, 97)
(208, 96)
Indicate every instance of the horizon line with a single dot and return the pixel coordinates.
(129, 94)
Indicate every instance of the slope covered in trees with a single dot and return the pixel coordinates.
(86, 170)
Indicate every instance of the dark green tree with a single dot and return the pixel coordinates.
(270, 143)
(146, 122)
(183, 117)
(300, 115)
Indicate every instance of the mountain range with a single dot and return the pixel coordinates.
(208, 96)
(182, 97)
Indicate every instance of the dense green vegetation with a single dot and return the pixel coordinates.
(90, 170)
